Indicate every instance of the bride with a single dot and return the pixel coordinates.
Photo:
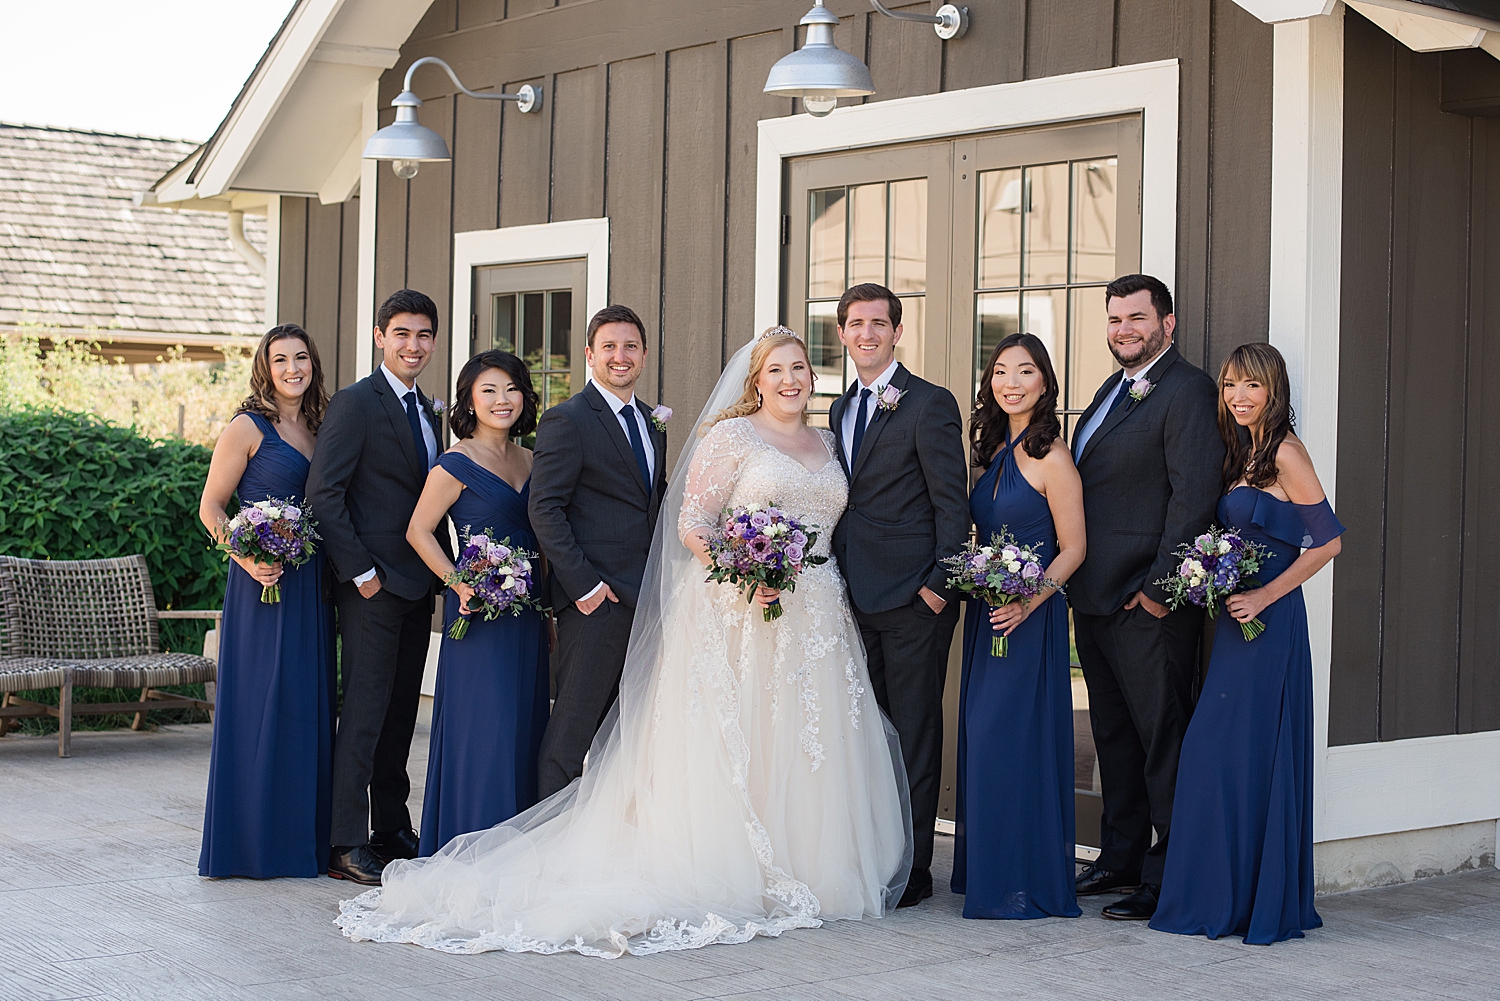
(745, 783)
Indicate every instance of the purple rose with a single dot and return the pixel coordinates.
(255, 516)
(760, 519)
(794, 553)
(798, 538)
(1031, 571)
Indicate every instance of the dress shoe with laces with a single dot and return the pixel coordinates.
(356, 863)
(1139, 906)
(1094, 880)
(918, 888)
(391, 845)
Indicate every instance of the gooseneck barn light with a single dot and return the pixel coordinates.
(820, 73)
(407, 143)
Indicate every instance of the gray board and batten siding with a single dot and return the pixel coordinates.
(1416, 643)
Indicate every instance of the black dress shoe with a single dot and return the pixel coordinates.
(1139, 906)
(392, 845)
(918, 888)
(356, 863)
(1094, 880)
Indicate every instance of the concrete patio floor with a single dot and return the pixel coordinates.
(99, 898)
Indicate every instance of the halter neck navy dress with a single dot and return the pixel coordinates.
(492, 686)
(1241, 857)
(269, 774)
(1014, 845)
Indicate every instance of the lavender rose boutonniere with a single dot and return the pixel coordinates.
(659, 417)
(888, 398)
(1140, 388)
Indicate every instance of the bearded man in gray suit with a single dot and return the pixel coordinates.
(901, 442)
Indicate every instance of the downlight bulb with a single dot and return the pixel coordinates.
(405, 169)
(819, 107)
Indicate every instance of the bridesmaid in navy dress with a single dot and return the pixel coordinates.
(492, 685)
(268, 779)
(1241, 857)
(1013, 854)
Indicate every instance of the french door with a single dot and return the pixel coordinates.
(536, 311)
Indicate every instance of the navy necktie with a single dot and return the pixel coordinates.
(636, 445)
(414, 418)
(1118, 400)
(860, 420)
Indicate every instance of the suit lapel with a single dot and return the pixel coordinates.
(1113, 420)
(878, 420)
(400, 426)
(616, 433)
(432, 421)
(658, 444)
(836, 425)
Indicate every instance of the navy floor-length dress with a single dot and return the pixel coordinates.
(268, 806)
(492, 688)
(1241, 857)
(1013, 854)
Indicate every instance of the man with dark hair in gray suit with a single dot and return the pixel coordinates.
(901, 442)
(597, 478)
(374, 451)
(1149, 453)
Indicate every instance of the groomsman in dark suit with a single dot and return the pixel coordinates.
(901, 442)
(1151, 459)
(374, 450)
(598, 474)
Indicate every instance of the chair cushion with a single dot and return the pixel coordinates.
(141, 671)
(21, 675)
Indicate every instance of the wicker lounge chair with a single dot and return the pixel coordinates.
(88, 622)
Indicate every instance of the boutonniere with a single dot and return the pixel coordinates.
(659, 417)
(1141, 388)
(438, 406)
(888, 398)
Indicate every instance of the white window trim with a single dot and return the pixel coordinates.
(552, 241)
(1146, 88)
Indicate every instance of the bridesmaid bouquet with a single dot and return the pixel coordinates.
(1215, 565)
(270, 531)
(761, 547)
(500, 575)
(998, 574)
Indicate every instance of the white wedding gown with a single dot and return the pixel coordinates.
(747, 783)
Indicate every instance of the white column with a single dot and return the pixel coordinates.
(1307, 187)
(273, 258)
(364, 309)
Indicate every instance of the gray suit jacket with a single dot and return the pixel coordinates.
(908, 496)
(1152, 475)
(592, 515)
(364, 485)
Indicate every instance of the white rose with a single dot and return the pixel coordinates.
(273, 512)
(1196, 581)
(1014, 566)
(1224, 546)
(508, 583)
(987, 551)
(525, 564)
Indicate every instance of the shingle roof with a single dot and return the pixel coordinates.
(76, 252)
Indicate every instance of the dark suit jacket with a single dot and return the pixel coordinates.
(1152, 476)
(592, 515)
(908, 496)
(364, 485)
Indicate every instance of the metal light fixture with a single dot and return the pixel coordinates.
(820, 73)
(406, 143)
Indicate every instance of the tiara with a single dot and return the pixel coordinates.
(778, 331)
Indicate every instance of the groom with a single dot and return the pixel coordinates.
(1149, 453)
(375, 447)
(598, 474)
(901, 442)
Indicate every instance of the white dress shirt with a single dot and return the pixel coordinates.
(1127, 375)
(626, 410)
(429, 438)
(851, 412)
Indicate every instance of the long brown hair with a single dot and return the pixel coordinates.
(989, 424)
(262, 398)
(749, 402)
(1243, 454)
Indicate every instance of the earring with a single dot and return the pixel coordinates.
(760, 400)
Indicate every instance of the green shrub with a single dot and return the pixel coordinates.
(73, 487)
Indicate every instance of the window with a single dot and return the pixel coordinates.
(535, 312)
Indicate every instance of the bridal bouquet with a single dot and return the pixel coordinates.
(761, 547)
(500, 575)
(998, 574)
(1215, 565)
(270, 531)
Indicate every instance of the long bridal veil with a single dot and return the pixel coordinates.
(627, 858)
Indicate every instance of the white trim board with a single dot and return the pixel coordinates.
(551, 241)
(1408, 785)
(1147, 88)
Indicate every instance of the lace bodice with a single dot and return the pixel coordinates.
(734, 466)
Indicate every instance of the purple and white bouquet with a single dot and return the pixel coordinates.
(270, 531)
(500, 575)
(761, 547)
(998, 574)
(1214, 566)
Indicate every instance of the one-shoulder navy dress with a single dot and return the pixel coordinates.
(269, 774)
(1013, 854)
(492, 688)
(1241, 857)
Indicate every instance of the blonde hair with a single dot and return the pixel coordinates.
(749, 401)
